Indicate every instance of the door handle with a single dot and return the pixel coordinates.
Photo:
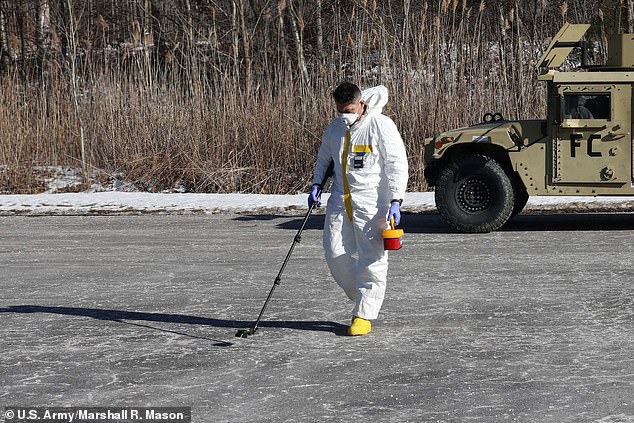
(613, 137)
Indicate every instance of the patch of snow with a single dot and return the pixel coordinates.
(58, 178)
(616, 418)
(120, 202)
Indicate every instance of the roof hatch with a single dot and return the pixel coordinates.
(560, 47)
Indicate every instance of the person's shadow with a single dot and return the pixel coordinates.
(132, 317)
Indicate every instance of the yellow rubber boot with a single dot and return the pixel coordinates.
(359, 326)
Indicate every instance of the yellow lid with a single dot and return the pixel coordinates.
(392, 233)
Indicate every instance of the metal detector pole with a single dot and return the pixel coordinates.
(243, 333)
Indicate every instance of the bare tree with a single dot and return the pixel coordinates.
(4, 45)
(320, 33)
(296, 19)
(147, 39)
(71, 36)
(190, 23)
(282, 47)
(629, 13)
(246, 44)
(20, 20)
(235, 41)
(43, 10)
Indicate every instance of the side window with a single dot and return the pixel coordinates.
(587, 106)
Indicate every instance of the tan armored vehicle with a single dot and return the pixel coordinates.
(484, 174)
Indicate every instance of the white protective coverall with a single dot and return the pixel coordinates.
(370, 166)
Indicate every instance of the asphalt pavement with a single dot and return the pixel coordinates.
(533, 323)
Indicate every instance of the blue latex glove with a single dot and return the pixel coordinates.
(313, 197)
(395, 212)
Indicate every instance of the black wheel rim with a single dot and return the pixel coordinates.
(473, 195)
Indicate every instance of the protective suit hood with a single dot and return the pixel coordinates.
(375, 99)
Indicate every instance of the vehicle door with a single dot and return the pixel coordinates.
(593, 142)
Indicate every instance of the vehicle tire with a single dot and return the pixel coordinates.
(520, 197)
(474, 194)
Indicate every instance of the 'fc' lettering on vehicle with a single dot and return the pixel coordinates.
(575, 142)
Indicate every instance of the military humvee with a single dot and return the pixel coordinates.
(484, 174)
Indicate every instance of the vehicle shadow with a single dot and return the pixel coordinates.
(570, 222)
(433, 224)
(531, 223)
(133, 317)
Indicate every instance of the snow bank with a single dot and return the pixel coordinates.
(98, 203)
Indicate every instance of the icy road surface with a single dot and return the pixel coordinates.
(533, 323)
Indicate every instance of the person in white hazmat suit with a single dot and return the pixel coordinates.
(370, 178)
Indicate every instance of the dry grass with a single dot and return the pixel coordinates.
(198, 122)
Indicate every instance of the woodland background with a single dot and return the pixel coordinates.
(233, 95)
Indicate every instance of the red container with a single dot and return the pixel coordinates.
(392, 243)
(392, 237)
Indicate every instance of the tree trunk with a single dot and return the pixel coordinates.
(235, 42)
(320, 34)
(5, 54)
(43, 10)
(190, 24)
(214, 39)
(148, 36)
(629, 13)
(63, 17)
(246, 45)
(147, 41)
(301, 62)
(22, 34)
(282, 46)
(71, 34)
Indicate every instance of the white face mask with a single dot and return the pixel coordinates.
(349, 118)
